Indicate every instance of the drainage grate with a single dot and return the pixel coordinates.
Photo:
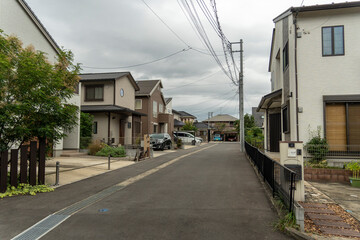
(42, 227)
(89, 201)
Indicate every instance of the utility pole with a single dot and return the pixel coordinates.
(241, 96)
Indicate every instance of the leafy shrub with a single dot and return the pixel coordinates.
(317, 147)
(112, 151)
(25, 189)
(354, 167)
(179, 143)
(96, 147)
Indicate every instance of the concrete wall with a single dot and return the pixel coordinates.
(14, 20)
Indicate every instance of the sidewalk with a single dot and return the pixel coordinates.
(73, 169)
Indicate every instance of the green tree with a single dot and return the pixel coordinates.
(34, 93)
(219, 127)
(189, 126)
(86, 125)
(249, 121)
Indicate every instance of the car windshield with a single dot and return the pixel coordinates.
(157, 136)
(217, 135)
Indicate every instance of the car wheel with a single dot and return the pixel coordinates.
(193, 142)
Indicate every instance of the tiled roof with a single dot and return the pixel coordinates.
(201, 125)
(109, 108)
(146, 87)
(88, 77)
(185, 114)
(221, 118)
(178, 123)
(167, 100)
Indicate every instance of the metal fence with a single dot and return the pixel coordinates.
(280, 179)
(320, 151)
(31, 163)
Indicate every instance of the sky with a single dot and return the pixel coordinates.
(155, 39)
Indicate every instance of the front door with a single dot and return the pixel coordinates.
(122, 132)
(275, 131)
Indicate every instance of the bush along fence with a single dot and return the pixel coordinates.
(279, 178)
(29, 162)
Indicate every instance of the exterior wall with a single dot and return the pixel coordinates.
(146, 109)
(72, 140)
(331, 75)
(15, 21)
(102, 127)
(169, 107)
(108, 93)
(128, 100)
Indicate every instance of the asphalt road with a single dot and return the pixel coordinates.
(208, 194)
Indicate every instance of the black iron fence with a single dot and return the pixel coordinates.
(279, 178)
(32, 163)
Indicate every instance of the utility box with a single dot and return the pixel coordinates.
(291, 156)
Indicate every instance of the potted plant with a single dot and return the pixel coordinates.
(355, 168)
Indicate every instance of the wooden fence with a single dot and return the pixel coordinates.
(31, 158)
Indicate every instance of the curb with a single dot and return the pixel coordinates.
(290, 231)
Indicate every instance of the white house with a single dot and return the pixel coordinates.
(315, 77)
(16, 18)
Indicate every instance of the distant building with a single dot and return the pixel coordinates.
(223, 124)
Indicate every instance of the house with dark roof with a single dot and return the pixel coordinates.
(110, 98)
(186, 117)
(223, 124)
(17, 18)
(151, 102)
(314, 77)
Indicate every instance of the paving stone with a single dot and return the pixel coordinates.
(340, 232)
(313, 216)
(313, 205)
(319, 210)
(331, 224)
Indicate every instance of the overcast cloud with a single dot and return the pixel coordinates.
(116, 33)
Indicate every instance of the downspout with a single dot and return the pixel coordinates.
(114, 92)
(109, 116)
(296, 78)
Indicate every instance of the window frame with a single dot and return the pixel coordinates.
(95, 127)
(285, 120)
(285, 57)
(138, 100)
(332, 41)
(155, 109)
(87, 87)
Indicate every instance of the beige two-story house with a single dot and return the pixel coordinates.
(151, 102)
(314, 65)
(110, 98)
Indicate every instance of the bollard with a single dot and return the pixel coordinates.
(109, 162)
(57, 173)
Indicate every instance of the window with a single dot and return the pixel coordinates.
(155, 111)
(161, 108)
(333, 41)
(95, 128)
(285, 118)
(138, 103)
(94, 93)
(155, 129)
(286, 56)
(343, 126)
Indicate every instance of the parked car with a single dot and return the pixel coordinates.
(232, 138)
(187, 137)
(160, 141)
(217, 137)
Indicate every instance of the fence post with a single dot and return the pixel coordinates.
(14, 168)
(3, 171)
(41, 173)
(32, 164)
(23, 163)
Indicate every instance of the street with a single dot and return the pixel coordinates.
(210, 193)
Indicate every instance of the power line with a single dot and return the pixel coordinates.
(140, 64)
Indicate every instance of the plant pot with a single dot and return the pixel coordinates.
(355, 182)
